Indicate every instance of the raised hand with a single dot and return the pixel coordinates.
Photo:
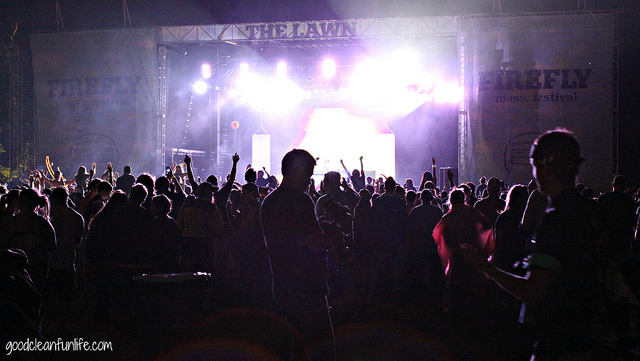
(344, 183)
(187, 159)
(236, 158)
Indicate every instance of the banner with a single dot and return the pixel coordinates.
(525, 75)
(96, 99)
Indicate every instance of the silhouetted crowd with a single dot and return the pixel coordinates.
(289, 269)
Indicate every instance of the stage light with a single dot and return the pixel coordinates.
(200, 87)
(447, 93)
(244, 69)
(206, 71)
(235, 125)
(328, 68)
(281, 69)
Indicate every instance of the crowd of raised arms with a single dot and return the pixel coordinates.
(322, 256)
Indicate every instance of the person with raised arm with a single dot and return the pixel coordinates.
(357, 177)
(429, 176)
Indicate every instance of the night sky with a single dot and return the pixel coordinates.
(40, 16)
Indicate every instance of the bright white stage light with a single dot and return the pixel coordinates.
(334, 133)
(281, 69)
(244, 69)
(447, 93)
(206, 71)
(329, 68)
(200, 87)
(271, 94)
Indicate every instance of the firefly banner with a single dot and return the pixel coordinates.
(524, 75)
(96, 94)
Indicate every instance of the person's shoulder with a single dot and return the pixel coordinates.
(67, 211)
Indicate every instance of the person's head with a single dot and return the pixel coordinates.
(355, 173)
(493, 186)
(127, 169)
(517, 198)
(118, 200)
(466, 190)
(411, 196)
(162, 184)
(93, 185)
(213, 179)
(104, 190)
(273, 182)
(619, 183)
(138, 194)
(331, 181)
(205, 191)
(160, 205)
(11, 201)
(408, 183)
(426, 195)
(457, 197)
(472, 187)
(260, 174)
(370, 188)
(364, 195)
(250, 175)
(82, 171)
(555, 157)
(30, 199)
(297, 168)
(400, 191)
(427, 176)
(483, 180)
(59, 196)
(147, 180)
(390, 185)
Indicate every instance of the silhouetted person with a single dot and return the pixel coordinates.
(560, 290)
(389, 225)
(296, 247)
(463, 225)
(69, 227)
(126, 180)
(621, 218)
(200, 223)
(492, 205)
(509, 239)
(32, 233)
(424, 275)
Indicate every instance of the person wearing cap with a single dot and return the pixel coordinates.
(559, 290)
